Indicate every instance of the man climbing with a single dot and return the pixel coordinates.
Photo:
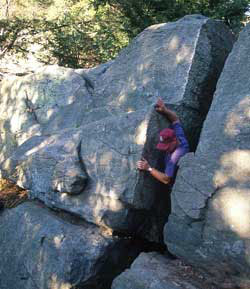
(172, 141)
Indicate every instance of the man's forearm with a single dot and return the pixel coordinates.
(171, 115)
(160, 176)
(161, 108)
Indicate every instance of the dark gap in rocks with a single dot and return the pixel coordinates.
(89, 84)
(144, 244)
(130, 247)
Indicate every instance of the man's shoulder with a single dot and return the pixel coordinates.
(177, 126)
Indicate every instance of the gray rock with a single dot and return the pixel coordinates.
(179, 61)
(41, 250)
(210, 199)
(155, 271)
(101, 120)
(28, 103)
(48, 163)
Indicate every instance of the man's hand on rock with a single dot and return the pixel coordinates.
(143, 165)
(160, 106)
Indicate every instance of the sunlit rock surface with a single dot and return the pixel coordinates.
(211, 197)
(81, 131)
(154, 271)
(40, 250)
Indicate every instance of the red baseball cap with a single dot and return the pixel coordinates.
(167, 137)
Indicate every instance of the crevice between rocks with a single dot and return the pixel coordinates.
(89, 84)
(81, 161)
(30, 107)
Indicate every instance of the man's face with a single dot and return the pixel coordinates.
(168, 141)
(166, 146)
(172, 147)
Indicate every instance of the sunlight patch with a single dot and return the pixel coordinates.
(174, 43)
(140, 136)
(235, 165)
(234, 207)
(239, 118)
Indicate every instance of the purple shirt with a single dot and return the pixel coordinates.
(171, 159)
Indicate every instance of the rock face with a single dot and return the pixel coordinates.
(155, 271)
(40, 250)
(210, 199)
(109, 114)
(80, 132)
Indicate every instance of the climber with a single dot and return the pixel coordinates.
(172, 141)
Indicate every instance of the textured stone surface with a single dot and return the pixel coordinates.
(210, 199)
(100, 121)
(41, 250)
(28, 103)
(48, 163)
(155, 271)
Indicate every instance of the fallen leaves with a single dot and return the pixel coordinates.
(10, 194)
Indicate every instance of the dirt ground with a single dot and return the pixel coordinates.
(10, 194)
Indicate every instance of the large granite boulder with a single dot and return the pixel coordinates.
(155, 271)
(210, 199)
(42, 250)
(84, 130)
(28, 103)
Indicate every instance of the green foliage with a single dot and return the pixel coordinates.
(11, 33)
(81, 36)
(142, 13)
(76, 42)
(84, 33)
